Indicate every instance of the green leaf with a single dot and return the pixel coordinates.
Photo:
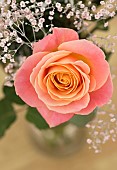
(7, 115)
(34, 117)
(82, 120)
(10, 95)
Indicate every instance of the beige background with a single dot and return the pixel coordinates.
(19, 152)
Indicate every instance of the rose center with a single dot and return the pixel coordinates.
(61, 80)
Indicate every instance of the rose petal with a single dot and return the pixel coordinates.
(83, 66)
(22, 83)
(72, 93)
(45, 97)
(92, 83)
(73, 107)
(40, 70)
(103, 95)
(99, 97)
(53, 118)
(44, 63)
(48, 43)
(52, 41)
(91, 106)
(64, 35)
(93, 56)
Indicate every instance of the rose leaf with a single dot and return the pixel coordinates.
(7, 115)
(33, 116)
(10, 94)
(82, 120)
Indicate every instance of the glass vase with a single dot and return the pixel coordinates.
(61, 140)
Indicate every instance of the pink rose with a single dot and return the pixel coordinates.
(64, 76)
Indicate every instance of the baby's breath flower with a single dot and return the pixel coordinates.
(14, 37)
(48, 2)
(22, 4)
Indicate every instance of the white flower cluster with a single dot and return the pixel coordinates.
(108, 42)
(40, 17)
(11, 68)
(15, 16)
(103, 128)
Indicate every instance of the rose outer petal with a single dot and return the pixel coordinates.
(102, 95)
(48, 43)
(93, 56)
(52, 41)
(22, 84)
(51, 117)
(99, 97)
(64, 35)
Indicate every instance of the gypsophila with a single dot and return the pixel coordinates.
(13, 21)
(16, 43)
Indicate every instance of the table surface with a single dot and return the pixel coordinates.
(19, 152)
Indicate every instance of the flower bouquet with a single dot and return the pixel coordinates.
(56, 67)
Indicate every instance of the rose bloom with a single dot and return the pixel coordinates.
(64, 76)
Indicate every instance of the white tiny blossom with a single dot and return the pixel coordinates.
(42, 9)
(2, 44)
(12, 60)
(97, 16)
(80, 2)
(89, 141)
(68, 5)
(60, 9)
(33, 22)
(37, 29)
(8, 56)
(10, 23)
(13, 5)
(1, 35)
(19, 40)
(106, 24)
(5, 49)
(48, 2)
(111, 131)
(9, 14)
(112, 14)
(109, 6)
(77, 12)
(8, 44)
(68, 16)
(36, 10)
(89, 2)
(102, 2)
(82, 6)
(113, 119)
(32, 1)
(22, 4)
(58, 5)
(40, 25)
(41, 20)
(8, 2)
(6, 33)
(3, 60)
(93, 8)
(51, 12)
(27, 10)
(50, 18)
(40, 4)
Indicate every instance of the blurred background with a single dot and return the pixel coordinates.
(18, 151)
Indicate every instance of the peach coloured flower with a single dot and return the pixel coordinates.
(64, 76)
